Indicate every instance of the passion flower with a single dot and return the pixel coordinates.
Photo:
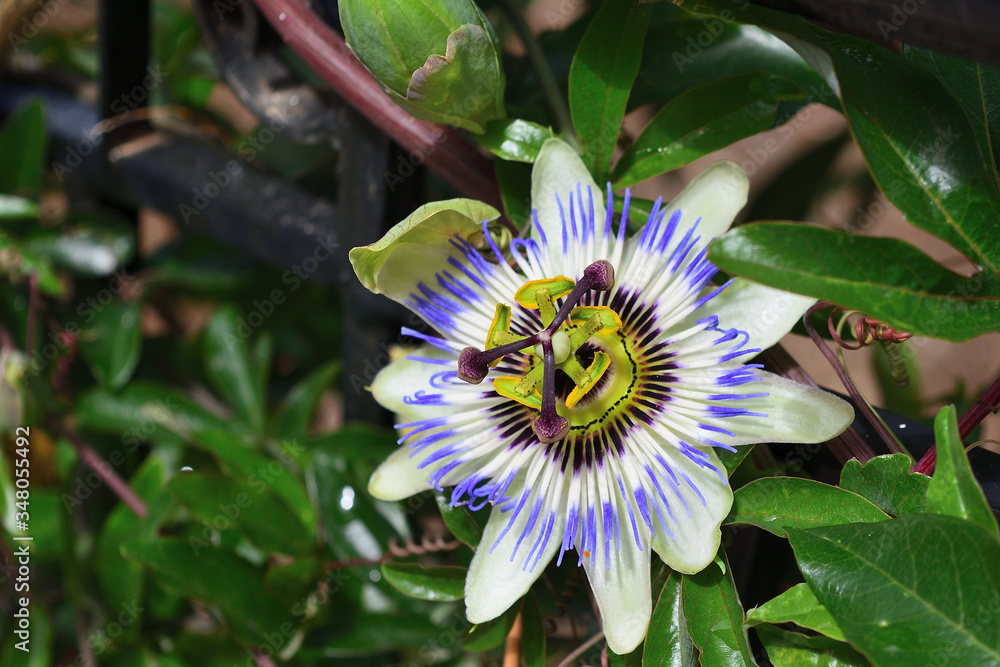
(580, 383)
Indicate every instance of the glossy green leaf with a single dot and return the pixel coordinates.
(514, 179)
(797, 605)
(224, 503)
(22, 262)
(532, 632)
(23, 145)
(600, 79)
(976, 88)
(668, 643)
(227, 363)
(715, 618)
(262, 473)
(888, 482)
(222, 580)
(792, 649)
(441, 584)
(953, 489)
(17, 208)
(491, 634)
(733, 460)
(683, 50)
(112, 343)
(515, 139)
(885, 278)
(90, 246)
(459, 521)
(703, 120)
(295, 413)
(122, 581)
(777, 503)
(924, 589)
(919, 145)
(142, 410)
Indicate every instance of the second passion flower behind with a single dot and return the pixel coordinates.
(581, 382)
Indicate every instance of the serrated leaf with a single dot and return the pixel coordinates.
(703, 120)
(925, 588)
(228, 365)
(221, 579)
(600, 79)
(668, 643)
(887, 279)
(715, 618)
(441, 584)
(797, 605)
(953, 489)
(112, 343)
(887, 482)
(777, 503)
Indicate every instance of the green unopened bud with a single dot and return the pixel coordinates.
(438, 59)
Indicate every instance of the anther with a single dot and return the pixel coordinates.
(550, 425)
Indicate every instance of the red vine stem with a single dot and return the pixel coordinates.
(969, 420)
(103, 470)
(845, 379)
(444, 150)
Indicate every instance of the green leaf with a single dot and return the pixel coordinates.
(703, 120)
(924, 588)
(224, 503)
(141, 411)
(223, 580)
(976, 88)
(885, 278)
(442, 584)
(227, 364)
(797, 605)
(600, 79)
(459, 521)
(887, 482)
(491, 634)
(24, 146)
(122, 581)
(295, 414)
(715, 618)
(777, 503)
(90, 246)
(416, 248)
(532, 632)
(791, 649)
(515, 139)
(919, 145)
(514, 179)
(953, 490)
(675, 57)
(262, 473)
(112, 343)
(20, 261)
(668, 643)
(295, 583)
(39, 645)
(17, 208)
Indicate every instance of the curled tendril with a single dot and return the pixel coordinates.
(867, 330)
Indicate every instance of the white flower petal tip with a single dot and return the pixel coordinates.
(501, 574)
(398, 477)
(715, 196)
(558, 179)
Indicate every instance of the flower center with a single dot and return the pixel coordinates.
(555, 347)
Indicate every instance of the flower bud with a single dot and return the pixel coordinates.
(438, 59)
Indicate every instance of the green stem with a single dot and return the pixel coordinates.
(550, 87)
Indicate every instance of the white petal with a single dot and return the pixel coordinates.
(622, 590)
(495, 580)
(795, 413)
(765, 313)
(398, 476)
(404, 377)
(715, 196)
(557, 172)
(696, 533)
